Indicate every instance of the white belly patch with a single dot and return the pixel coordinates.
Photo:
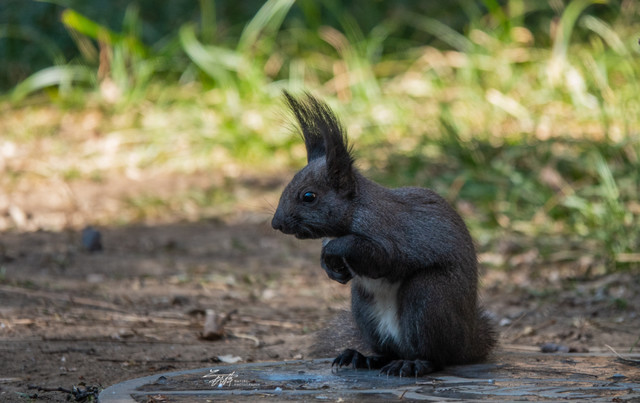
(384, 307)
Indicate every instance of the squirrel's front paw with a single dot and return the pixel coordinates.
(336, 268)
(334, 263)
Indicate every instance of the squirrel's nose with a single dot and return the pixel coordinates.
(276, 222)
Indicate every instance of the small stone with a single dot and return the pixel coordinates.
(554, 348)
(162, 380)
(91, 239)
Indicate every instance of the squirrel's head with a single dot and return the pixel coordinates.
(318, 202)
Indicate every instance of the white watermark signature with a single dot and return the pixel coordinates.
(218, 380)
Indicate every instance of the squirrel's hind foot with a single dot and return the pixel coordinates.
(355, 359)
(408, 368)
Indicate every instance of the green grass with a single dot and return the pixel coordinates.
(526, 117)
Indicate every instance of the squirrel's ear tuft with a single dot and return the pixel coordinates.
(317, 123)
(325, 137)
(309, 121)
(340, 170)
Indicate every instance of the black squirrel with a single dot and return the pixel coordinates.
(409, 256)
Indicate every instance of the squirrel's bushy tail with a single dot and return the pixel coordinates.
(486, 337)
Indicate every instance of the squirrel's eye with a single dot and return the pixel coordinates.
(308, 197)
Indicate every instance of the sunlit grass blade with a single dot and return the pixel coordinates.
(216, 62)
(610, 189)
(567, 23)
(92, 29)
(268, 18)
(498, 14)
(440, 30)
(607, 33)
(62, 76)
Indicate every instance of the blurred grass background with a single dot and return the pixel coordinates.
(525, 115)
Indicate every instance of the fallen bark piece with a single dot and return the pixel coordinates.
(213, 328)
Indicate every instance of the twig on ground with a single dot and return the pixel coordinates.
(62, 297)
(625, 360)
(254, 339)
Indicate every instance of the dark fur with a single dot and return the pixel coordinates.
(408, 255)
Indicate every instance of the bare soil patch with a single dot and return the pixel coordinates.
(69, 317)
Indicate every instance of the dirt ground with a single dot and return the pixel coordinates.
(72, 318)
